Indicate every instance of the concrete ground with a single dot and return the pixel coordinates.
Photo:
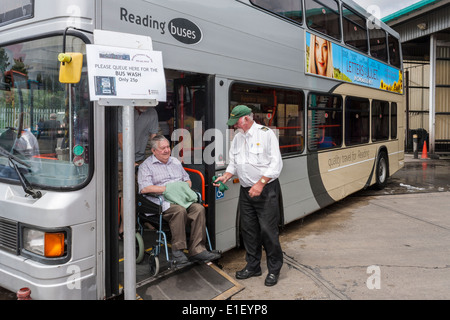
(379, 245)
(388, 244)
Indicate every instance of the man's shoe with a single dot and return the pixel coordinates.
(245, 273)
(179, 257)
(271, 279)
(205, 256)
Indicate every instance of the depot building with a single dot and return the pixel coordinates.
(424, 28)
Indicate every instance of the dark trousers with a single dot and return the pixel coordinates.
(259, 227)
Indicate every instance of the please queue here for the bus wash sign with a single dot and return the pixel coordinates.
(123, 73)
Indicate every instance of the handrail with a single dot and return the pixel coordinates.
(203, 183)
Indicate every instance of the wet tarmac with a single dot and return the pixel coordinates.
(418, 175)
(389, 244)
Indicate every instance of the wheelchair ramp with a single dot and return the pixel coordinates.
(194, 282)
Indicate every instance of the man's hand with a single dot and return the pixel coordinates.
(256, 189)
(224, 178)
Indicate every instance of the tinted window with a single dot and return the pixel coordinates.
(291, 9)
(394, 51)
(323, 16)
(357, 112)
(393, 120)
(13, 11)
(355, 30)
(380, 120)
(324, 121)
(275, 108)
(378, 48)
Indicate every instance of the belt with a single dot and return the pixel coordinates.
(271, 181)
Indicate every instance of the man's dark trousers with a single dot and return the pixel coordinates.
(259, 227)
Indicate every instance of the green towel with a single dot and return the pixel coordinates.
(180, 193)
(222, 186)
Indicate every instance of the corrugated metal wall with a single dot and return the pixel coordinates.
(419, 82)
(443, 99)
(436, 21)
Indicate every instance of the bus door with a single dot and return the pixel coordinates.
(194, 115)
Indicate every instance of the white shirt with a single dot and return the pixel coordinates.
(254, 154)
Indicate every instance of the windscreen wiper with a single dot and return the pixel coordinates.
(26, 185)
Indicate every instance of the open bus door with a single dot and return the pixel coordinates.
(194, 115)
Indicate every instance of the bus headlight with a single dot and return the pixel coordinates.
(46, 244)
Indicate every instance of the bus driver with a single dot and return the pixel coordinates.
(256, 159)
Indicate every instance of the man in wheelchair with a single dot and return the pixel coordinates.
(163, 174)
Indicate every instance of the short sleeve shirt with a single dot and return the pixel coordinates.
(153, 172)
(254, 154)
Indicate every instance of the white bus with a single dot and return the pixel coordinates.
(324, 73)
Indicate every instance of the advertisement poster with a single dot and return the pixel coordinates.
(124, 73)
(331, 60)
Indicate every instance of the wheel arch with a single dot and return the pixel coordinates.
(381, 149)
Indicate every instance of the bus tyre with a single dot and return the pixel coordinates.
(382, 171)
(139, 248)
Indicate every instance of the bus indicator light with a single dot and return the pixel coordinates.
(54, 245)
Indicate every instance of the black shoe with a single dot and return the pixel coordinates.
(245, 273)
(271, 279)
(179, 257)
(205, 256)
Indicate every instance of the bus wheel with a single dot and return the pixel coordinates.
(139, 248)
(382, 171)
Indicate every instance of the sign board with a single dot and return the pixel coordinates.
(125, 73)
(219, 194)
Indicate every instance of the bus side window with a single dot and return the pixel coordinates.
(323, 16)
(378, 48)
(357, 111)
(393, 120)
(355, 29)
(380, 120)
(277, 108)
(324, 121)
(394, 51)
(289, 9)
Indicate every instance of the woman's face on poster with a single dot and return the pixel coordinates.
(321, 52)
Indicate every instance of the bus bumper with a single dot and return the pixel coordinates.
(70, 281)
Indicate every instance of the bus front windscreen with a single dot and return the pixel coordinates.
(43, 122)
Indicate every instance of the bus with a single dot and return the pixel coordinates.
(326, 75)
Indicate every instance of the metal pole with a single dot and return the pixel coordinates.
(416, 152)
(407, 142)
(432, 107)
(129, 212)
(70, 124)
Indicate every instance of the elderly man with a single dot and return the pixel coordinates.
(162, 174)
(256, 159)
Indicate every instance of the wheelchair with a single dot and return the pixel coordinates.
(150, 212)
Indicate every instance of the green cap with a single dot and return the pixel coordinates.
(237, 112)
